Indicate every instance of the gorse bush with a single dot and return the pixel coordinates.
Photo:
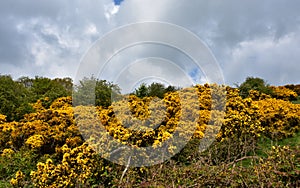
(284, 93)
(54, 145)
(16, 96)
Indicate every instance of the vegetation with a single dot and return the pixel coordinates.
(252, 83)
(52, 144)
(16, 96)
(92, 91)
(153, 90)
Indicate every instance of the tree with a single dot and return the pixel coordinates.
(25, 81)
(14, 98)
(92, 91)
(105, 92)
(252, 83)
(67, 83)
(46, 88)
(142, 91)
(156, 89)
(153, 90)
(171, 89)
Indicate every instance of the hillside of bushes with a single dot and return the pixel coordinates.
(47, 140)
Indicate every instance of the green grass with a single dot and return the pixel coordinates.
(293, 141)
(297, 101)
(265, 144)
(4, 184)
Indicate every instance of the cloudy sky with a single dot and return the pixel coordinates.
(247, 38)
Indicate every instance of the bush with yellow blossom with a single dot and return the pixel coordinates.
(49, 142)
(281, 92)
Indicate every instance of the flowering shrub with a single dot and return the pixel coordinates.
(279, 118)
(44, 129)
(284, 93)
(280, 168)
(51, 140)
(18, 181)
(75, 168)
(7, 152)
(2, 118)
(35, 141)
(241, 118)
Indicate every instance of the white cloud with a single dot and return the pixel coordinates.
(274, 60)
(249, 38)
(152, 69)
(110, 10)
(91, 30)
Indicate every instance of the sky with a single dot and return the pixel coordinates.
(247, 38)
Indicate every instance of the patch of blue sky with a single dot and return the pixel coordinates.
(118, 2)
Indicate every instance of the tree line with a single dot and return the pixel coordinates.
(16, 96)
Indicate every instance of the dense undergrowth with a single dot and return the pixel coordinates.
(257, 144)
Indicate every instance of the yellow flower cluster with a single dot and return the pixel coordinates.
(149, 121)
(242, 117)
(140, 123)
(75, 168)
(43, 130)
(7, 152)
(256, 95)
(281, 92)
(279, 118)
(35, 141)
(2, 118)
(18, 180)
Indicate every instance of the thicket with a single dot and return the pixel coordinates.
(46, 148)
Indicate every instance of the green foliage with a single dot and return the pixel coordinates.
(14, 99)
(252, 83)
(156, 89)
(82, 94)
(45, 87)
(16, 96)
(10, 163)
(106, 92)
(4, 184)
(45, 148)
(67, 83)
(297, 101)
(95, 92)
(153, 90)
(142, 91)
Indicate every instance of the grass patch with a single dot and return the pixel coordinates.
(297, 101)
(265, 144)
(4, 184)
(292, 141)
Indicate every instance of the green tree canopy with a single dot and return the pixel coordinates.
(103, 93)
(142, 91)
(14, 98)
(156, 89)
(252, 83)
(153, 90)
